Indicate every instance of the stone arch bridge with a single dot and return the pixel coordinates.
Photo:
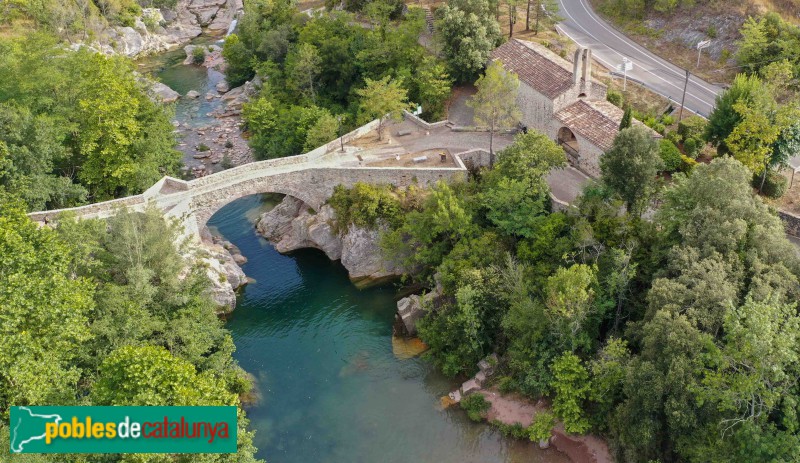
(310, 177)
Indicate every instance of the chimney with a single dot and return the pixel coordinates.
(576, 66)
(587, 71)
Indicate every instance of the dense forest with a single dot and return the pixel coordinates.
(678, 338)
(77, 126)
(110, 313)
(329, 72)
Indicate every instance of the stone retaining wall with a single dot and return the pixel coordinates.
(791, 222)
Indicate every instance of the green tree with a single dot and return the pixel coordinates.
(383, 99)
(323, 131)
(45, 310)
(303, 68)
(515, 192)
(432, 85)
(670, 155)
(150, 375)
(571, 386)
(748, 90)
(630, 167)
(569, 301)
(238, 61)
(468, 32)
(495, 103)
(627, 118)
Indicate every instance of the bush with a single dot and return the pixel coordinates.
(774, 184)
(515, 430)
(614, 97)
(692, 147)
(198, 55)
(226, 162)
(692, 128)
(364, 204)
(671, 156)
(542, 426)
(476, 406)
(687, 165)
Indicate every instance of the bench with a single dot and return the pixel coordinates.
(402, 133)
(419, 159)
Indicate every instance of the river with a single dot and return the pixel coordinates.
(330, 388)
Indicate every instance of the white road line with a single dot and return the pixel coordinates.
(612, 66)
(615, 51)
(636, 47)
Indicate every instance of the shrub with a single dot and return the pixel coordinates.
(614, 97)
(774, 184)
(671, 155)
(506, 384)
(542, 426)
(692, 147)
(363, 204)
(667, 120)
(198, 55)
(711, 32)
(511, 430)
(226, 162)
(228, 144)
(476, 406)
(688, 164)
(692, 127)
(203, 147)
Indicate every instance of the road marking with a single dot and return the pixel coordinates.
(611, 66)
(636, 47)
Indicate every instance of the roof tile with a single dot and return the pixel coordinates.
(535, 67)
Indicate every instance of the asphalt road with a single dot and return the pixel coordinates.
(609, 47)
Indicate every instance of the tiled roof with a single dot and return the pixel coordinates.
(536, 66)
(598, 121)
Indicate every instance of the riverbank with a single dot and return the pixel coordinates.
(207, 112)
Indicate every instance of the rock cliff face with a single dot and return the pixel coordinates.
(169, 29)
(222, 261)
(293, 225)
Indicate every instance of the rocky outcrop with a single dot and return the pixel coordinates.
(161, 30)
(221, 261)
(293, 225)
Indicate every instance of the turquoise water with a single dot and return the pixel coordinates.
(330, 388)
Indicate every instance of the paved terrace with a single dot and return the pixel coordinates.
(311, 177)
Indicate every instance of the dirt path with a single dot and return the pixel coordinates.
(512, 409)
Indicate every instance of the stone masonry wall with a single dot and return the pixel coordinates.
(791, 222)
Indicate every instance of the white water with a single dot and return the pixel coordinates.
(232, 27)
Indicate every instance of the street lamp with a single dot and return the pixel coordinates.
(340, 118)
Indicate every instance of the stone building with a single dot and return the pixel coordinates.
(561, 100)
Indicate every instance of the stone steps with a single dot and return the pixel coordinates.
(428, 18)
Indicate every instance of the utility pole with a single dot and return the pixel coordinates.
(683, 99)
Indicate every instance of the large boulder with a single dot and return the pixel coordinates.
(161, 92)
(410, 309)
